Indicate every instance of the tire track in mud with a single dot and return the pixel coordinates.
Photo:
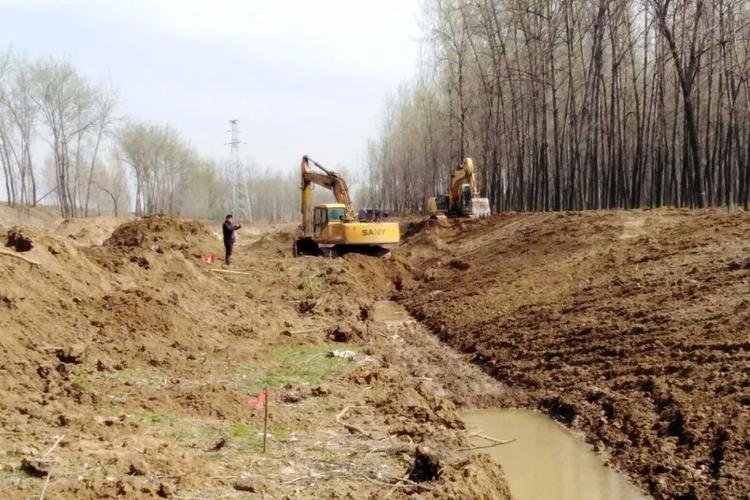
(450, 374)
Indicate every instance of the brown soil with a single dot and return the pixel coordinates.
(128, 351)
(125, 368)
(629, 326)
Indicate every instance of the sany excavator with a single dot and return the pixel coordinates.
(332, 229)
(464, 199)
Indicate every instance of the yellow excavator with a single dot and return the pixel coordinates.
(463, 199)
(332, 229)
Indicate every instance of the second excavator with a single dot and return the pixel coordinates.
(332, 229)
(463, 199)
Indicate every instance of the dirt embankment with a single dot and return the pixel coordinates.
(630, 326)
(125, 368)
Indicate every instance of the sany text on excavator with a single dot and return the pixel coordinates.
(463, 199)
(332, 229)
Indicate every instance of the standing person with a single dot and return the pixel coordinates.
(228, 229)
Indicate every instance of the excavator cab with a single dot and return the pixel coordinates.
(325, 214)
(442, 203)
(320, 219)
(438, 206)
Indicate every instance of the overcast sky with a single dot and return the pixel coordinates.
(301, 76)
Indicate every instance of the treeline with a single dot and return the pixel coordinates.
(574, 104)
(170, 177)
(64, 141)
(53, 124)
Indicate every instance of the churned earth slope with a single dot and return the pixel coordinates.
(633, 327)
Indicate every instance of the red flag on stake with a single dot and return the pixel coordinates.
(258, 402)
(255, 403)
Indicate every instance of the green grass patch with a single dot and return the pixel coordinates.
(310, 286)
(243, 437)
(249, 438)
(296, 366)
(240, 430)
(378, 394)
(246, 438)
(281, 433)
(214, 357)
(147, 377)
(161, 419)
(81, 383)
(185, 431)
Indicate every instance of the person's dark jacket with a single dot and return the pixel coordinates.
(228, 229)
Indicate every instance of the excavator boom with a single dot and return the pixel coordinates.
(329, 180)
(464, 174)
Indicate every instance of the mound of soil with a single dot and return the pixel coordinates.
(276, 243)
(160, 232)
(91, 231)
(630, 326)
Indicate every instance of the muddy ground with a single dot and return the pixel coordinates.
(632, 327)
(121, 345)
(126, 363)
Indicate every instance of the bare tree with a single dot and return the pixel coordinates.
(569, 104)
(67, 103)
(105, 120)
(18, 117)
(111, 179)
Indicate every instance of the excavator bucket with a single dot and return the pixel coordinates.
(480, 207)
(305, 246)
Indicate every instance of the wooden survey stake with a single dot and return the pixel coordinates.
(265, 418)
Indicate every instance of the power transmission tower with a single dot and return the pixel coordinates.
(241, 207)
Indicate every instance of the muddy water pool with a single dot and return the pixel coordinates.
(546, 461)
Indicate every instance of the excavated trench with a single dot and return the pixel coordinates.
(544, 460)
(627, 326)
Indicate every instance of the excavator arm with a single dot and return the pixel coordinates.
(463, 199)
(329, 180)
(464, 174)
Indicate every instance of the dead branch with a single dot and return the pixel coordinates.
(350, 427)
(227, 495)
(46, 483)
(12, 254)
(499, 443)
(407, 480)
(383, 483)
(307, 476)
(397, 482)
(393, 490)
(46, 453)
(394, 449)
(488, 438)
(306, 330)
(226, 271)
